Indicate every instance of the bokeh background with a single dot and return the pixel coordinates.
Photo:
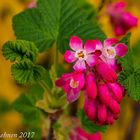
(128, 124)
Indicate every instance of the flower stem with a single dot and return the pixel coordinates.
(45, 86)
(101, 5)
(55, 57)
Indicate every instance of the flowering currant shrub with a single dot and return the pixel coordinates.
(81, 60)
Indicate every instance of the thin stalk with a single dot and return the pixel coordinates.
(101, 5)
(55, 61)
(45, 86)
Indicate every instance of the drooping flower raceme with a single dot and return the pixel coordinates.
(81, 55)
(79, 134)
(95, 72)
(121, 20)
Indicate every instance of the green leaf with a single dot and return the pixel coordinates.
(130, 75)
(4, 106)
(26, 72)
(88, 125)
(57, 21)
(25, 104)
(20, 50)
(136, 52)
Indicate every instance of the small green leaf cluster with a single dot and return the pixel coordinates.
(23, 53)
(130, 75)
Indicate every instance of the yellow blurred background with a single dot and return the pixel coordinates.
(9, 90)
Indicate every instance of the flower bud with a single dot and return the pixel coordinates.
(91, 87)
(104, 94)
(102, 113)
(114, 106)
(110, 118)
(106, 72)
(117, 91)
(90, 108)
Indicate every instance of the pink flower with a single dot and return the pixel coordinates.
(121, 20)
(106, 72)
(110, 50)
(82, 55)
(91, 87)
(32, 4)
(80, 134)
(72, 84)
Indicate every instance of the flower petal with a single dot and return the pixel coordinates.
(90, 46)
(79, 65)
(119, 30)
(110, 41)
(79, 76)
(76, 43)
(69, 56)
(129, 20)
(113, 63)
(91, 60)
(98, 44)
(121, 49)
(72, 95)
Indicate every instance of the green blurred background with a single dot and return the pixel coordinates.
(128, 124)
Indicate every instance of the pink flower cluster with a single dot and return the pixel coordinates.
(95, 72)
(121, 20)
(79, 134)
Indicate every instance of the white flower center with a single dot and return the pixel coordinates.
(73, 83)
(109, 52)
(81, 55)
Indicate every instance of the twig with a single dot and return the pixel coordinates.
(53, 119)
(101, 5)
(131, 129)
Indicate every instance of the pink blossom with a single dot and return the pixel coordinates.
(32, 4)
(72, 84)
(91, 87)
(80, 134)
(121, 20)
(82, 55)
(110, 49)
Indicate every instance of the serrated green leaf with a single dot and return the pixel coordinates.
(26, 72)
(130, 75)
(57, 21)
(88, 125)
(20, 50)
